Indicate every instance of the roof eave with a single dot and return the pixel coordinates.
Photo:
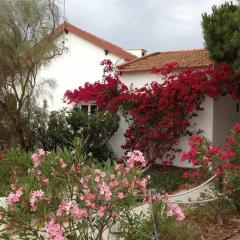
(149, 69)
(110, 47)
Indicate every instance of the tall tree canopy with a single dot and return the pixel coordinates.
(221, 31)
(26, 45)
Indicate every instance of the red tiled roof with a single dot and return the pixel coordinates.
(184, 58)
(110, 47)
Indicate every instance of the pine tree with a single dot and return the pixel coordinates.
(221, 30)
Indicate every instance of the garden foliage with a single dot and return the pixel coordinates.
(158, 114)
(207, 160)
(59, 128)
(66, 195)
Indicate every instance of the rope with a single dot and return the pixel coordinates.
(193, 189)
(205, 200)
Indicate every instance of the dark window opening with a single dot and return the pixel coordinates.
(93, 109)
(84, 108)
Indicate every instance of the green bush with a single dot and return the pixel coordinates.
(14, 163)
(96, 130)
(156, 222)
(59, 128)
(234, 181)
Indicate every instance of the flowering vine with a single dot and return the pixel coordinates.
(160, 114)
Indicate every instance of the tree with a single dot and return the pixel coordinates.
(221, 30)
(26, 45)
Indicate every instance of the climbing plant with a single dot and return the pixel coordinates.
(159, 114)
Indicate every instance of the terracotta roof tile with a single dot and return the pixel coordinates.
(184, 58)
(112, 48)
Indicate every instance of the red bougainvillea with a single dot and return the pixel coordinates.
(100, 92)
(207, 160)
(159, 114)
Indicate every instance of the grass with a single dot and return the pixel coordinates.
(165, 178)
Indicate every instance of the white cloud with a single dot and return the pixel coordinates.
(155, 25)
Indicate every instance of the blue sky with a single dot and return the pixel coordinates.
(156, 25)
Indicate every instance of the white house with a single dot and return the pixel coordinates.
(81, 61)
(218, 116)
(80, 64)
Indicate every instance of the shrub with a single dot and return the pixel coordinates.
(14, 163)
(59, 128)
(158, 225)
(234, 182)
(96, 130)
(76, 198)
(208, 160)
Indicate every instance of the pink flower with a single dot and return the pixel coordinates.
(175, 210)
(125, 183)
(78, 213)
(37, 157)
(114, 184)
(121, 195)
(136, 158)
(97, 179)
(14, 197)
(114, 214)
(119, 166)
(143, 184)
(91, 196)
(54, 230)
(41, 152)
(72, 209)
(105, 190)
(36, 196)
(101, 211)
(62, 163)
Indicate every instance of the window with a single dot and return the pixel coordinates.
(90, 109)
(84, 108)
(93, 109)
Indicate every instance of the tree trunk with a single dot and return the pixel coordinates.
(19, 130)
(220, 219)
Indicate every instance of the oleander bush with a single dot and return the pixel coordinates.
(65, 194)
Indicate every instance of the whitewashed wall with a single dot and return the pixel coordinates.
(137, 52)
(79, 64)
(139, 79)
(225, 115)
(204, 121)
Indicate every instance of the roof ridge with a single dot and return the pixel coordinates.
(95, 40)
(182, 50)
